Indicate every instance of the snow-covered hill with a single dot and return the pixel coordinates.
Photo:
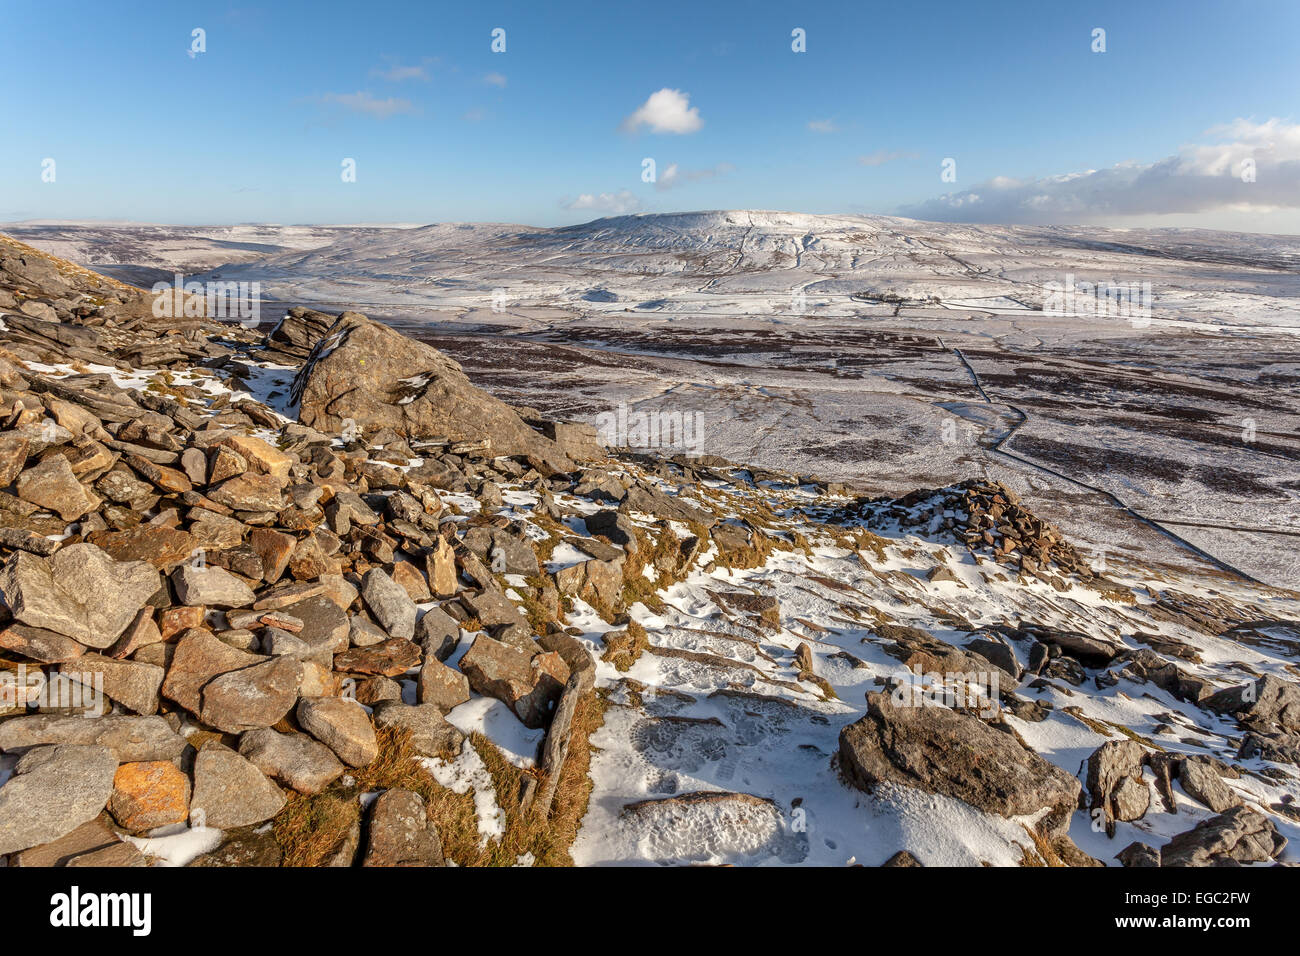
(756, 262)
(142, 253)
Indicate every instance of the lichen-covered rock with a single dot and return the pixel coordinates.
(431, 733)
(440, 685)
(1115, 786)
(252, 697)
(1269, 703)
(199, 657)
(127, 738)
(133, 684)
(295, 760)
(1238, 836)
(342, 725)
(389, 603)
(388, 658)
(52, 485)
(400, 832)
(149, 794)
(211, 587)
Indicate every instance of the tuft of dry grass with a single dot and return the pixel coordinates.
(637, 588)
(802, 544)
(163, 383)
(310, 829)
(752, 555)
(1108, 728)
(555, 532)
(538, 614)
(865, 540)
(547, 839)
(1111, 591)
(828, 691)
(1045, 855)
(624, 646)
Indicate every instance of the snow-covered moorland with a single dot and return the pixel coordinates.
(1009, 626)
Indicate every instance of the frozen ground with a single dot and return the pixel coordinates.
(717, 707)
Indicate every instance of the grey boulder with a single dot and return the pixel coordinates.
(79, 592)
(229, 791)
(295, 760)
(211, 587)
(56, 789)
(389, 602)
(942, 751)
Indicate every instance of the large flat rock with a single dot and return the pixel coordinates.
(938, 750)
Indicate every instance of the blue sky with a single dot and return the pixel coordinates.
(441, 128)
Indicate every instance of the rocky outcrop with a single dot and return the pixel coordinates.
(529, 684)
(1115, 786)
(942, 751)
(376, 378)
(1241, 835)
(297, 333)
(989, 518)
(1269, 704)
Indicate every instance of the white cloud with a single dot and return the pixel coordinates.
(495, 79)
(823, 126)
(667, 111)
(397, 73)
(619, 203)
(394, 71)
(1198, 179)
(882, 156)
(673, 175)
(365, 103)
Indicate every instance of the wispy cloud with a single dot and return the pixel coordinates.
(667, 111)
(397, 72)
(1197, 179)
(882, 156)
(823, 126)
(619, 203)
(495, 79)
(361, 102)
(673, 175)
